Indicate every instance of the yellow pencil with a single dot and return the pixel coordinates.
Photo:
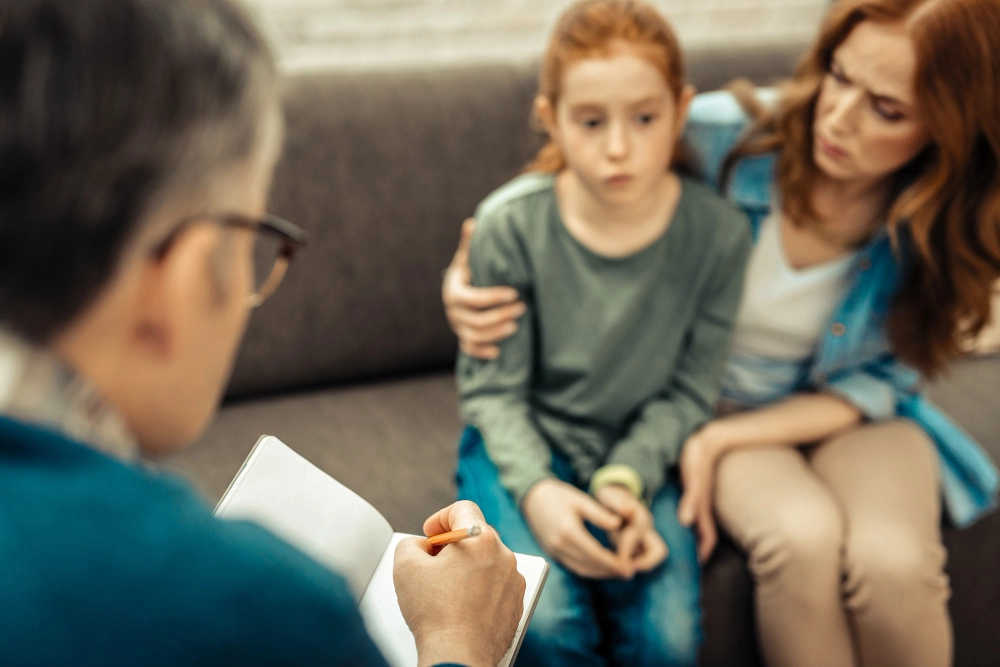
(454, 536)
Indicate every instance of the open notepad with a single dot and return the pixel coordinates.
(297, 501)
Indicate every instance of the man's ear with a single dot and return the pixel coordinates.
(684, 107)
(175, 290)
(546, 114)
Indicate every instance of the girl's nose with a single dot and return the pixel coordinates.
(618, 143)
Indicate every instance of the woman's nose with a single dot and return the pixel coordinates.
(841, 115)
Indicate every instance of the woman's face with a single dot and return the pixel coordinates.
(867, 123)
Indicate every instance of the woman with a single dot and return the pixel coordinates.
(873, 189)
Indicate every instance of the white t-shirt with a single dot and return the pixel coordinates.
(782, 316)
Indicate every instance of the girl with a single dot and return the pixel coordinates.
(630, 275)
(874, 191)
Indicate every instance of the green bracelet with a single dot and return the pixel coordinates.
(618, 473)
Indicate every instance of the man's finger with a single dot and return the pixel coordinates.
(412, 547)
(461, 514)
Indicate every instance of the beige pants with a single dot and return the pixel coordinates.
(844, 544)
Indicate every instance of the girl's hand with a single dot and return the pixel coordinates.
(555, 512)
(479, 316)
(698, 459)
(637, 540)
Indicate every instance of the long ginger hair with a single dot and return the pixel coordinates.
(947, 199)
(595, 29)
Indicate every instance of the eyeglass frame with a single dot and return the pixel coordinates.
(293, 238)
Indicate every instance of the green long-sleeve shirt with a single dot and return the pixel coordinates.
(617, 360)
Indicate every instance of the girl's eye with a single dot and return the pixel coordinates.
(646, 118)
(591, 123)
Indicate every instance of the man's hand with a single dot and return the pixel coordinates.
(698, 461)
(555, 512)
(462, 605)
(638, 542)
(481, 317)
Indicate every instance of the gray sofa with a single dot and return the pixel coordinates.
(350, 362)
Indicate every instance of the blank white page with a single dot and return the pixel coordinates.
(385, 623)
(303, 505)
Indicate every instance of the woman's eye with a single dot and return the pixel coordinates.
(838, 76)
(646, 118)
(591, 123)
(887, 114)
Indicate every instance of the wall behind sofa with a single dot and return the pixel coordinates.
(313, 34)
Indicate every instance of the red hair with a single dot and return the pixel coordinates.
(947, 199)
(598, 29)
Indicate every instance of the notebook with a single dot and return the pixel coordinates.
(300, 503)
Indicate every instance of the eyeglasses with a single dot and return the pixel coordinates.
(275, 243)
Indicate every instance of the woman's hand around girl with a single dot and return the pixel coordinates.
(556, 512)
(481, 317)
(637, 541)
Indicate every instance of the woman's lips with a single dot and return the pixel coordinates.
(830, 149)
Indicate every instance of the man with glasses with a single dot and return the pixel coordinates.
(137, 143)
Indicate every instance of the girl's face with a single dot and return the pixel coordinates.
(867, 123)
(617, 123)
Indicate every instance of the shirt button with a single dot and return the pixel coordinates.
(821, 378)
(865, 264)
(838, 329)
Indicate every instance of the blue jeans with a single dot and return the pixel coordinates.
(655, 619)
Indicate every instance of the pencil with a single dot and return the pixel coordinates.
(454, 536)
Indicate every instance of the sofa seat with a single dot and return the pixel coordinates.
(394, 442)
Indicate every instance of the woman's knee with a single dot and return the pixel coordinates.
(806, 536)
(893, 564)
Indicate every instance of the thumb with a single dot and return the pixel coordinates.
(686, 508)
(461, 257)
(461, 514)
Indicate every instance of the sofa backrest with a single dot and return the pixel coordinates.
(380, 169)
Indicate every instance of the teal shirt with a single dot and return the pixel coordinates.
(105, 563)
(617, 360)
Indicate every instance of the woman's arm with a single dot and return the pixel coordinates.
(797, 420)
(481, 317)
